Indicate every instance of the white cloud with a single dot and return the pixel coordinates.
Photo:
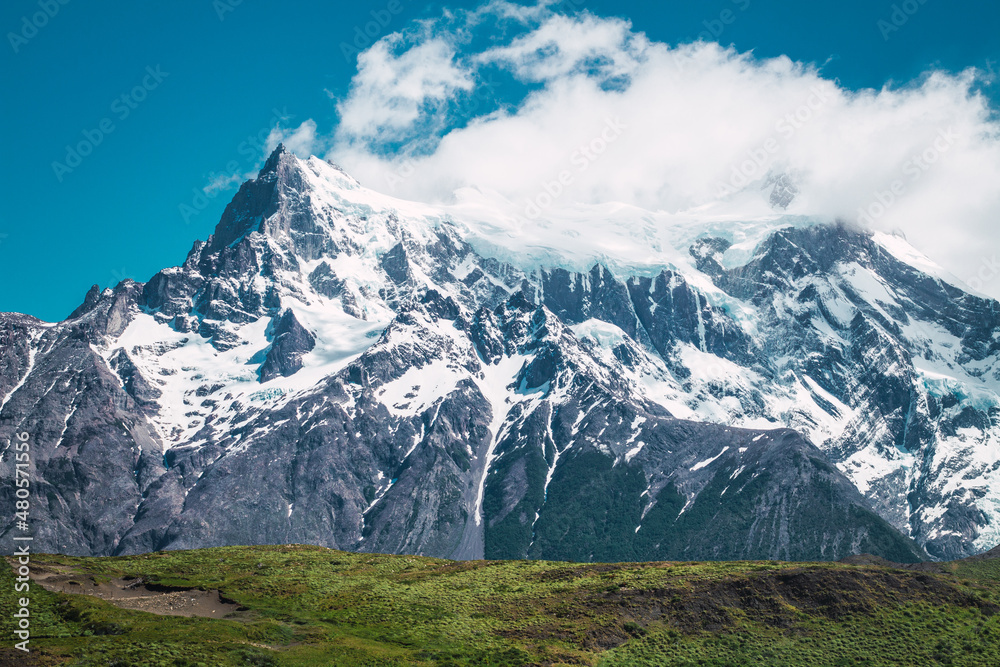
(704, 127)
(224, 182)
(301, 141)
(562, 46)
(503, 10)
(391, 91)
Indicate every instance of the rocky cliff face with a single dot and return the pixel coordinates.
(337, 367)
(906, 363)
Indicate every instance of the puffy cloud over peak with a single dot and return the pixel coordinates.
(603, 114)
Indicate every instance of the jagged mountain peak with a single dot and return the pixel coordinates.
(338, 366)
(271, 164)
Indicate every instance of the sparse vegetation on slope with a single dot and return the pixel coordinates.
(303, 605)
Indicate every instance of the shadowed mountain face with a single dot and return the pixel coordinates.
(340, 368)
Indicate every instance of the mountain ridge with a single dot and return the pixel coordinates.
(319, 301)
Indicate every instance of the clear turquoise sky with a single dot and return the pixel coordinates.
(213, 76)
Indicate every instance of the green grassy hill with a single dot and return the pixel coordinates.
(301, 605)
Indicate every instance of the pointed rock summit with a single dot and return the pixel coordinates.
(338, 367)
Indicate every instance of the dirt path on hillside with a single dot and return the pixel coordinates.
(136, 594)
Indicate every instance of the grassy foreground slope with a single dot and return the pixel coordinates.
(304, 605)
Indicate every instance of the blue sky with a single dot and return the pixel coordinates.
(175, 95)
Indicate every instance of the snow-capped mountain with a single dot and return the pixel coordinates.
(338, 367)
